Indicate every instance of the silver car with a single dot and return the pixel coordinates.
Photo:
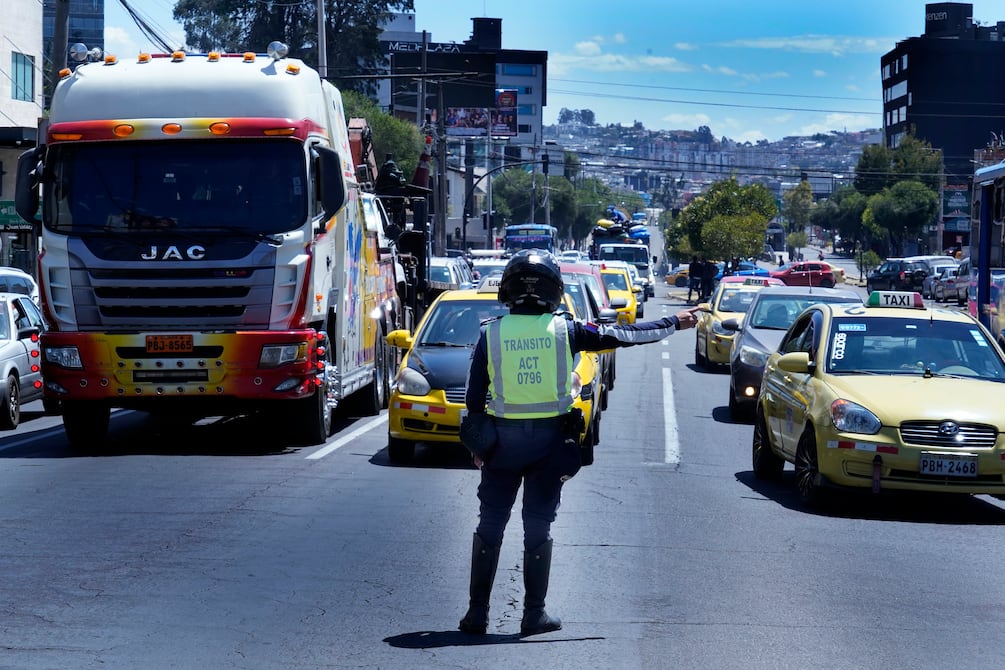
(21, 325)
(769, 316)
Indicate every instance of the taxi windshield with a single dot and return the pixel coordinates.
(457, 322)
(735, 301)
(874, 345)
(616, 281)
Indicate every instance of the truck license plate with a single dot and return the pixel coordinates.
(169, 344)
(948, 465)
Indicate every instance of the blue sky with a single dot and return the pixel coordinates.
(748, 70)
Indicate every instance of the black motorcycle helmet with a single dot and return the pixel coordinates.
(532, 277)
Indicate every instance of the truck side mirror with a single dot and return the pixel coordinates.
(26, 189)
(330, 180)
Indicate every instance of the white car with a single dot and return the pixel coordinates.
(13, 280)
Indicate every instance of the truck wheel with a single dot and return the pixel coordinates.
(400, 451)
(313, 414)
(10, 417)
(85, 423)
(374, 396)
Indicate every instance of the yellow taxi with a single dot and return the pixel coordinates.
(886, 395)
(619, 285)
(730, 300)
(427, 398)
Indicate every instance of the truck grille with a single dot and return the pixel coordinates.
(235, 291)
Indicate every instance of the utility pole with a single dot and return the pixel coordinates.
(60, 36)
(322, 42)
(547, 202)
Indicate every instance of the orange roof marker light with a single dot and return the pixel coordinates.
(177, 56)
(279, 131)
(171, 128)
(213, 56)
(65, 72)
(123, 130)
(249, 56)
(111, 59)
(219, 128)
(143, 58)
(67, 136)
(292, 69)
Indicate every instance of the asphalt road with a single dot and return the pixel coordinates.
(212, 547)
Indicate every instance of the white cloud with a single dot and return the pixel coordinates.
(831, 44)
(836, 122)
(596, 61)
(619, 38)
(686, 120)
(720, 69)
(685, 46)
(750, 136)
(119, 42)
(819, 73)
(587, 48)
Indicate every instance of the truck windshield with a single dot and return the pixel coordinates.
(636, 255)
(258, 187)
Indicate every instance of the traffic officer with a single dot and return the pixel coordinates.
(521, 375)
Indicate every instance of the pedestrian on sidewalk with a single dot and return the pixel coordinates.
(694, 273)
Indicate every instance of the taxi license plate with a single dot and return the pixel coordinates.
(169, 344)
(948, 465)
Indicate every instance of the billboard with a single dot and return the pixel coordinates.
(504, 113)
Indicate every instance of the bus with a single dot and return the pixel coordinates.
(530, 236)
(986, 295)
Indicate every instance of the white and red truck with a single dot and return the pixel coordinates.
(207, 249)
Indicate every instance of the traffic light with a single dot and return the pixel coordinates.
(544, 166)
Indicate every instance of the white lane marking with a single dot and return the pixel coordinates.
(671, 452)
(666, 355)
(345, 439)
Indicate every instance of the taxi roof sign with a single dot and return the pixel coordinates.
(900, 299)
(490, 284)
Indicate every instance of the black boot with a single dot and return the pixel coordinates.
(484, 560)
(536, 571)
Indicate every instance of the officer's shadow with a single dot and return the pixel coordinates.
(431, 639)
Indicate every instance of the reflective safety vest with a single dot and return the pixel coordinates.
(529, 365)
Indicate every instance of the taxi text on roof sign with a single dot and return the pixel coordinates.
(902, 299)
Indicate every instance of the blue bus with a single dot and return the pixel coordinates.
(530, 236)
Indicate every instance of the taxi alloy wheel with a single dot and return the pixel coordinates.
(808, 469)
(767, 465)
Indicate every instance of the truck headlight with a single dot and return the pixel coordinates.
(274, 355)
(850, 417)
(411, 382)
(67, 357)
(755, 358)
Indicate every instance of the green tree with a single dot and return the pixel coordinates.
(796, 240)
(351, 29)
(797, 204)
(400, 139)
(900, 213)
(735, 235)
(872, 174)
(726, 198)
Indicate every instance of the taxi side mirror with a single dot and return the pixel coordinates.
(796, 361)
(607, 315)
(731, 324)
(705, 307)
(619, 303)
(400, 339)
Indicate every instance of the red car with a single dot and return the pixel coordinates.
(806, 273)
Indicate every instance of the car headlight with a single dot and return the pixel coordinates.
(755, 358)
(274, 355)
(850, 417)
(411, 382)
(718, 329)
(67, 357)
(577, 384)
